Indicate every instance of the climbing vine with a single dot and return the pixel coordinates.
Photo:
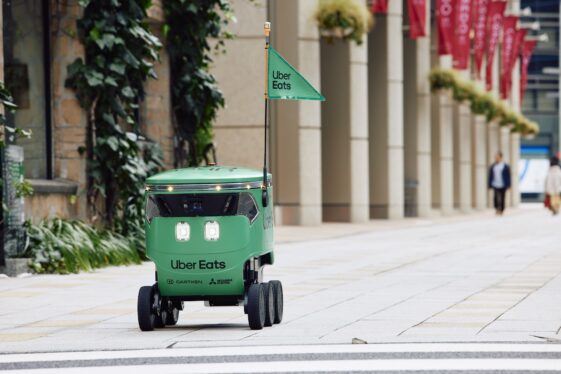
(108, 82)
(190, 27)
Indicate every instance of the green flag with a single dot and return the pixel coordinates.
(286, 83)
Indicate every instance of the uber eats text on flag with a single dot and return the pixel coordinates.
(284, 82)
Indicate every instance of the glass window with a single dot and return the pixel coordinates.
(24, 72)
(247, 207)
(547, 101)
(201, 205)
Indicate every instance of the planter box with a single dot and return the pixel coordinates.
(15, 267)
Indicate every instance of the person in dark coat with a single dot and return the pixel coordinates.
(499, 181)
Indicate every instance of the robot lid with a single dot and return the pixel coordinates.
(207, 177)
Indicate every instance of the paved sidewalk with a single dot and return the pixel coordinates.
(469, 278)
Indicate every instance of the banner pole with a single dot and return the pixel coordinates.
(265, 197)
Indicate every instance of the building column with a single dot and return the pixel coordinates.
(504, 147)
(514, 137)
(155, 109)
(344, 134)
(296, 125)
(462, 157)
(385, 73)
(69, 119)
(492, 149)
(479, 162)
(514, 169)
(238, 131)
(417, 122)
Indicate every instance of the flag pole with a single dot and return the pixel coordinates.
(265, 197)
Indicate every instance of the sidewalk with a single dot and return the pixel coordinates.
(472, 278)
(332, 230)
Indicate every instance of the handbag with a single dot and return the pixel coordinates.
(547, 201)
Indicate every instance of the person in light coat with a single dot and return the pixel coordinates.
(553, 185)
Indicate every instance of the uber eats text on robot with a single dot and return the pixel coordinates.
(209, 230)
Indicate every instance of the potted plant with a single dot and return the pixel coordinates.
(343, 19)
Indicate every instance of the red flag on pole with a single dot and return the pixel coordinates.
(526, 54)
(445, 24)
(495, 13)
(509, 34)
(417, 18)
(462, 28)
(480, 23)
(518, 39)
(379, 6)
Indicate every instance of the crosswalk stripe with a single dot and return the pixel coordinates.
(283, 349)
(426, 365)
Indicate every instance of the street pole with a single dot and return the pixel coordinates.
(265, 197)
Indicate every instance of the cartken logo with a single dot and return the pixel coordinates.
(212, 281)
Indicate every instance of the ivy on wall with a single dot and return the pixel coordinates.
(119, 54)
(195, 97)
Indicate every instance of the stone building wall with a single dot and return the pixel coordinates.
(156, 116)
(69, 120)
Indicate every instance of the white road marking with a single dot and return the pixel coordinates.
(429, 365)
(283, 349)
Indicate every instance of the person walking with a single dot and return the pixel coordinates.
(499, 181)
(553, 186)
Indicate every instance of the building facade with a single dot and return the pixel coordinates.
(381, 146)
(541, 101)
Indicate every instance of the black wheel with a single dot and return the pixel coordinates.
(256, 306)
(160, 308)
(269, 304)
(278, 300)
(172, 316)
(146, 317)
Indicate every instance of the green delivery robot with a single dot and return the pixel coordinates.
(209, 230)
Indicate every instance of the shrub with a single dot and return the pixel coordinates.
(442, 79)
(480, 101)
(343, 19)
(69, 246)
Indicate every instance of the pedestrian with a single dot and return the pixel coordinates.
(499, 181)
(553, 186)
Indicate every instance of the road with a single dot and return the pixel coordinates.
(469, 280)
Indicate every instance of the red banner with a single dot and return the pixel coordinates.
(417, 18)
(479, 38)
(462, 28)
(509, 34)
(445, 24)
(526, 54)
(379, 6)
(495, 13)
(518, 39)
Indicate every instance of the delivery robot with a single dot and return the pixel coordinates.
(209, 231)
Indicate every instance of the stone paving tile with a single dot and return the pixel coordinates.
(482, 279)
(523, 326)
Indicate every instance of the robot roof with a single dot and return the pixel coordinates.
(207, 175)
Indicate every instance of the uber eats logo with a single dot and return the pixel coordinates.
(201, 264)
(281, 81)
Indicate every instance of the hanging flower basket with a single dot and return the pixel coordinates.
(343, 20)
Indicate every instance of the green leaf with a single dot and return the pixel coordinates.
(93, 78)
(110, 81)
(94, 34)
(113, 143)
(128, 92)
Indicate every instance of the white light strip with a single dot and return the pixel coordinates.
(203, 187)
